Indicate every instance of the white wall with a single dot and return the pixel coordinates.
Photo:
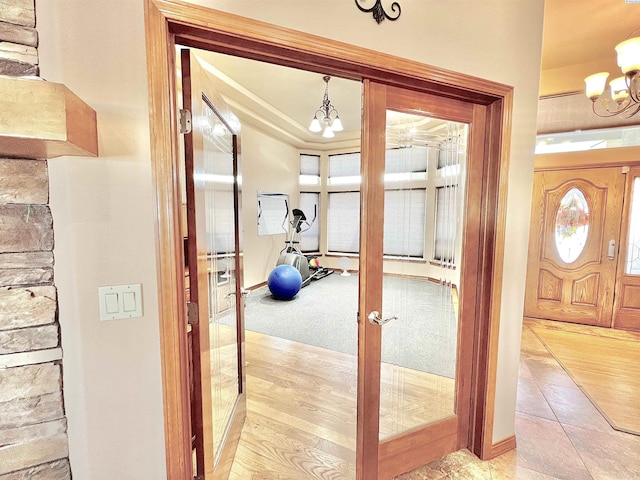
(104, 235)
(103, 211)
(268, 166)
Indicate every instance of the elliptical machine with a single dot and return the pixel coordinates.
(291, 254)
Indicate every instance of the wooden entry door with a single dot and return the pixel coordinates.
(627, 301)
(574, 244)
(216, 303)
(381, 455)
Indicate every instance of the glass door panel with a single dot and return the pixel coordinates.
(425, 160)
(218, 180)
(215, 273)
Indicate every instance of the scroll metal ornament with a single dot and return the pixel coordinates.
(378, 11)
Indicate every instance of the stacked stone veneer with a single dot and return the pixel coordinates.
(33, 438)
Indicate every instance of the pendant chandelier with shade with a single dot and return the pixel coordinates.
(625, 90)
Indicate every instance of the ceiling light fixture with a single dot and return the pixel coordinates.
(625, 90)
(327, 115)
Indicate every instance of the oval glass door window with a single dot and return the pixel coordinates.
(572, 225)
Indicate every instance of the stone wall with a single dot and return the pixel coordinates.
(18, 38)
(33, 430)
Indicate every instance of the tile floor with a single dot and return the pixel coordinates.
(560, 434)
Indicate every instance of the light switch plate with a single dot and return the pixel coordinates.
(120, 301)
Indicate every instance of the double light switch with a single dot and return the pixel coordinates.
(120, 301)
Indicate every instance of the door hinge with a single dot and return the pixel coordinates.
(198, 477)
(192, 313)
(358, 317)
(185, 121)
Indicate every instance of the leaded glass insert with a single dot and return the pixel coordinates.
(572, 225)
(633, 255)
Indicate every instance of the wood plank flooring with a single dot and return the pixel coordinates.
(604, 363)
(301, 402)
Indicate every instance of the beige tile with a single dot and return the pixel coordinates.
(544, 447)
(608, 456)
(531, 401)
(506, 467)
(571, 406)
(546, 371)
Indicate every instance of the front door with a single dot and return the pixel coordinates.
(573, 245)
(215, 274)
(416, 334)
(627, 302)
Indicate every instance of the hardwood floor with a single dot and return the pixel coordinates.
(604, 363)
(301, 422)
(301, 409)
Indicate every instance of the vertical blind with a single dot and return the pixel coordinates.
(310, 205)
(445, 232)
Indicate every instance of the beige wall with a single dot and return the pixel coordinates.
(103, 220)
(103, 210)
(268, 166)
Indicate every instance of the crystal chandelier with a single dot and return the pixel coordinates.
(625, 90)
(327, 115)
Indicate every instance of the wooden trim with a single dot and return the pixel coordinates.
(502, 447)
(207, 28)
(169, 255)
(493, 240)
(370, 291)
(170, 20)
(406, 452)
(606, 157)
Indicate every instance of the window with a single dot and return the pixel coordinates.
(404, 222)
(572, 225)
(344, 222)
(405, 208)
(406, 164)
(309, 169)
(310, 205)
(344, 169)
(633, 255)
(445, 231)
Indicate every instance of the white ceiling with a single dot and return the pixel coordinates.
(283, 100)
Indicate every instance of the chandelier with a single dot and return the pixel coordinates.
(625, 90)
(326, 114)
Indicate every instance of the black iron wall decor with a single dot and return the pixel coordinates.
(378, 11)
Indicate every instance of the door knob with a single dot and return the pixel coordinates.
(375, 319)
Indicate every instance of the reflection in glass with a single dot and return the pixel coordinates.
(572, 225)
(421, 221)
(633, 255)
(220, 227)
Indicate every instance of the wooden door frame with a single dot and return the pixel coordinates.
(168, 22)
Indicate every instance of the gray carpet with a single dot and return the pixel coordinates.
(324, 314)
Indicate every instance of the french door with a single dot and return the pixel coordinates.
(399, 426)
(574, 244)
(215, 301)
(485, 106)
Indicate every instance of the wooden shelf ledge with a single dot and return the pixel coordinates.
(42, 120)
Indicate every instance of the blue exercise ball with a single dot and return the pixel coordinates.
(284, 282)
